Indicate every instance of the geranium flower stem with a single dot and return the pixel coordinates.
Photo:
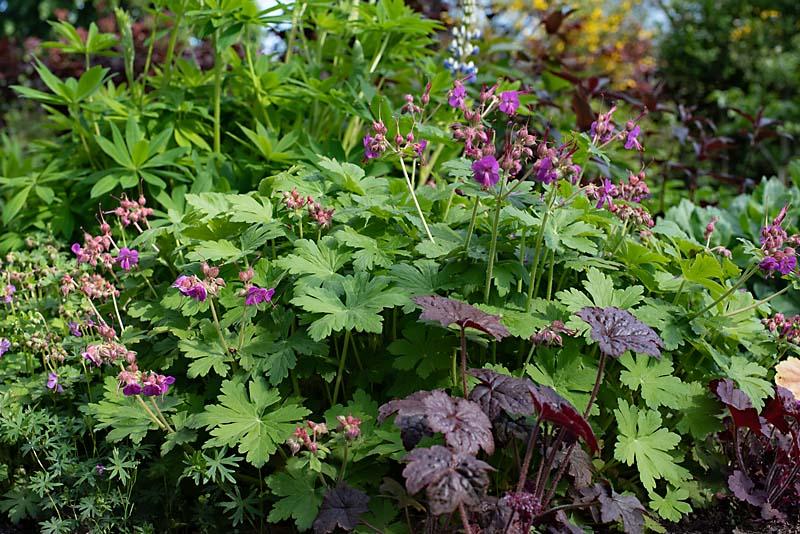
(471, 225)
(410, 185)
(493, 248)
(119, 317)
(150, 413)
(340, 371)
(739, 283)
(538, 250)
(161, 415)
(219, 328)
(217, 92)
(758, 303)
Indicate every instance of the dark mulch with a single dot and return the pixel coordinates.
(726, 517)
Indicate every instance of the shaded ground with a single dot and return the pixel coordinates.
(725, 518)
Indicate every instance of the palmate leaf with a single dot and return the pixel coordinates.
(642, 441)
(446, 311)
(749, 376)
(276, 357)
(242, 419)
(299, 497)
(617, 331)
(699, 415)
(364, 299)
(498, 393)
(342, 507)
(601, 293)
(568, 372)
(655, 380)
(671, 506)
(449, 478)
(124, 415)
(318, 262)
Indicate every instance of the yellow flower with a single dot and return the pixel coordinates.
(788, 376)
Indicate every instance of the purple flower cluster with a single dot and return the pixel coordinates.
(256, 295)
(133, 212)
(509, 102)
(550, 336)
(191, 286)
(778, 257)
(94, 286)
(134, 382)
(108, 352)
(631, 192)
(603, 131)
(555, 163)
(322, 216)
(787, 328)
(5, 345)
(95, 248)
(377, 143)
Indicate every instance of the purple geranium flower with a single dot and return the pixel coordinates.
(4, 345)
(52, 383)
(369, 152)
(606, 193)
(127, 258)
(545, 172)
(75, 329)
(257, 295)
(191, 286)
(632, 141)
(9, 293)
(486, 171)
(457, 95)
(509, 102)
(131, 389)
(100, 469)
(780, 261)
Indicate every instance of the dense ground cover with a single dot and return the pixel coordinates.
(372, 284)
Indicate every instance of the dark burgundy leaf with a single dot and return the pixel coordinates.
(341, 507)
(552, 407)
(447, 311)
(562, 525)
(412, 429)
(738, 403)
(782, 406)
(580, 468)
(627, 508)
(507, 428)
(497, 392)
(411, 405)
(616, 331)
(465, 427)
(449, 478)
(744, 489)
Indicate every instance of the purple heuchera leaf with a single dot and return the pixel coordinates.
(743, 488)
(342, 507)
(449, 478)
(616, 331)
(552, 407)
(738, 403)
(616, 507)
(447, 311)
(465, 427)
(497, 393)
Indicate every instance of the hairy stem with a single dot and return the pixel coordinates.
(538, 248)
(340, 371)
(218, 326)
(464, 519)
(739, 283)
(493, 248)
(410, 185)
(471, 225)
